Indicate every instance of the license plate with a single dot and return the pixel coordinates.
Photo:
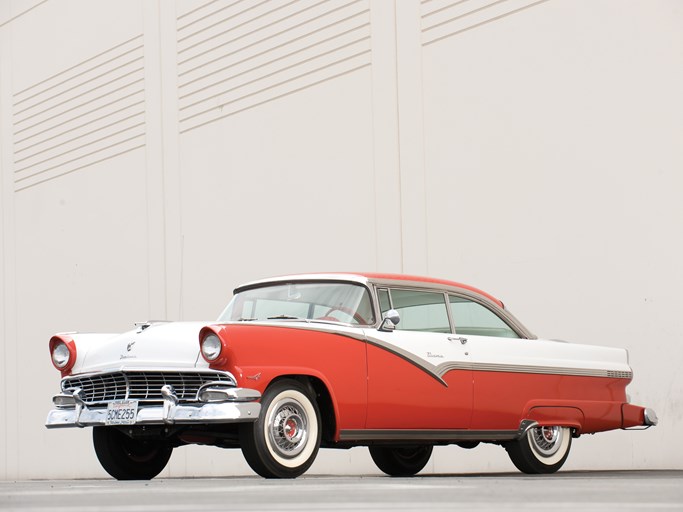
(124, 412)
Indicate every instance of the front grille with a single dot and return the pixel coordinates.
(141, 385)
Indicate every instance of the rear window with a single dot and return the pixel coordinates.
(472, 318)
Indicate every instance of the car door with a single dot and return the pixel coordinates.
(417, 374)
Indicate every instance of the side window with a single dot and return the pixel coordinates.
(420, 311)
(474, 319)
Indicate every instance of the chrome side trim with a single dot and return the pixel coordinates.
(411, 358)
(444, 368)
(438, 371)
(427, 435)
(434, 435)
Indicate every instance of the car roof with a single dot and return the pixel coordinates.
(376, 278)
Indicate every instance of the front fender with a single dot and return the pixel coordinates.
(259, 378)
(79, 345)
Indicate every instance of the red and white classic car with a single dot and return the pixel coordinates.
(396, 363)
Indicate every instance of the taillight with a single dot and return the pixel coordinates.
(63, 353)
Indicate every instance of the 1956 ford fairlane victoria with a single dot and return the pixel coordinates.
(396, 363)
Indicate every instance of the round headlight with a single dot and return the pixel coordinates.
(211, 347)
(60, 355)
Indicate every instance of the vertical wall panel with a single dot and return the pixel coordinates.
(8, 401)
(385, 127)
(76, 171)
(411, 137)
(551, 168)
(154, 164)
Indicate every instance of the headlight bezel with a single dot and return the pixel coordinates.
(69, 357)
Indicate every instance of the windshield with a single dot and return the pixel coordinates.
(332, 302)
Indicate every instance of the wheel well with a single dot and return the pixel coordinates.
(324, 400)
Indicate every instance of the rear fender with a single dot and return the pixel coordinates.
(590, 415)
(561, 416)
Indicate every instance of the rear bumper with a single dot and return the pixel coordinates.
(636, 416)
(221, 405)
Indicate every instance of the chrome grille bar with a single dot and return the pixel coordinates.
(144, 386)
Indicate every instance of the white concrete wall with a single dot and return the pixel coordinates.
(154, 154)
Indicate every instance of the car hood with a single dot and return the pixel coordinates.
(160, 345)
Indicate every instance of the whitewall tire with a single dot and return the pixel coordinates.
(541, 449)
(284, 441)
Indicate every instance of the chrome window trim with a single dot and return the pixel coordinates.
(506, 317)
(418, 289)
(304, 278)
(373, 284)
(502, 313)
(449, 309)
(322, 279)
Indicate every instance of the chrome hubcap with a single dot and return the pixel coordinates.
(288, 429)
(546, 440)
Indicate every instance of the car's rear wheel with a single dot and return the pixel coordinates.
(126, 458)
(401, 460)
(541, 449)
(283, 442)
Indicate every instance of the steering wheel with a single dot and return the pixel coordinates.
(354, 314)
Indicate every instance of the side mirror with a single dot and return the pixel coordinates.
(391, 320)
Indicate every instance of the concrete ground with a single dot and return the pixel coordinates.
(582, 490)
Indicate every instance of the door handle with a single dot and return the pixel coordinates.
(458, 338)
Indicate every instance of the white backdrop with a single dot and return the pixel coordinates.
(155, 154)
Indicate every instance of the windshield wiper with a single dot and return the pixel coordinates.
(246, 319)
(284, 317)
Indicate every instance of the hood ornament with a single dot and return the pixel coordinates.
(130, 346)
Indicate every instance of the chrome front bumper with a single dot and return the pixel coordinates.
(218, 404)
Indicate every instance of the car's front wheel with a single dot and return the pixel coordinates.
(283, 442)
(401, 460)
(126, 458)
(541, 449)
